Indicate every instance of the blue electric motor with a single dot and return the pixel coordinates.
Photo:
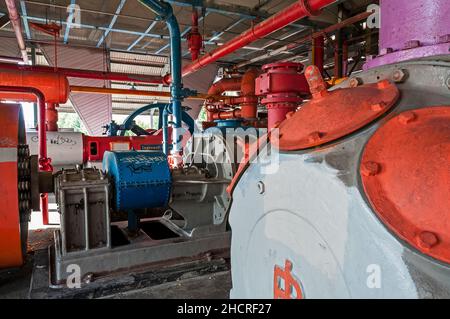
(141, 179)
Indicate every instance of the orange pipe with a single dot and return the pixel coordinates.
(54, 87)
(227, 115)
(249, 109)
(101, 90)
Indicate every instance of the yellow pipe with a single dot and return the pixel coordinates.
(100, 90)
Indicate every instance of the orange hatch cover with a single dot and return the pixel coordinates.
(405, 171)
(330, 115)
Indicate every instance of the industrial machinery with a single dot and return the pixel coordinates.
(359, 202)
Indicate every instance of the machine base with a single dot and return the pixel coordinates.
(196, 279)
(158, 243)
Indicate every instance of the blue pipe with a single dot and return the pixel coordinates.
(129, 120)
(165, 128)
(164, 12)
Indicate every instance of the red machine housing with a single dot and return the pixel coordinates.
(282, 86)
(94, 147)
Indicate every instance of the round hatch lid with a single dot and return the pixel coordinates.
(330, 115)
(405, 171)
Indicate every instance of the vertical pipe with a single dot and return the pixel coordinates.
(51, 117)
(44, 161)
(345, 58)
(165, 121)
(165, 11)
(318, 52)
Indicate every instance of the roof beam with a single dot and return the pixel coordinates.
(150, 28)
(23, 8)
(212, 6)
(71, 10)
(113, 21)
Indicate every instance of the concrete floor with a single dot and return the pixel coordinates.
(15, 283)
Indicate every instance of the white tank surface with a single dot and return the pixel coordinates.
(64, 148)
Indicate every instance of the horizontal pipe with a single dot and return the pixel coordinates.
(101, 90)
(292, 13)
(296, 44)
(86, 74)
(9, 59)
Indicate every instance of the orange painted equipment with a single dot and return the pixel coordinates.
(334, 114)
(10, 240)
(405, 171)
(53, 86)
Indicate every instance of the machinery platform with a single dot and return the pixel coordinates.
(191, 280)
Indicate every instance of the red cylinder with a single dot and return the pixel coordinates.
(282, 85)
(51, 117)
(54, 87)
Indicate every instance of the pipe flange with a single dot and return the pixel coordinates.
(305, 5)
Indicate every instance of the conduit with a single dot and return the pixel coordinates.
(16, 24)
(292, 13)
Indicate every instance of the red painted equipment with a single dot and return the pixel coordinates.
(292, 13)
(194, 38)
(10, 241)
(247, 100)
(51, 117)
(95, 146)
(342, 112)
(53, 86)
(282, 85)
(405, 170)
(85, 74)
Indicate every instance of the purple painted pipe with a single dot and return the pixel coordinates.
(412, 29)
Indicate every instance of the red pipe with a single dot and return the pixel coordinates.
(51, 117)
(44, 162)
(194, 38)
(218, 88)
(318, 52)
(86, 74)
(294, 12)
(249, 109)
(14, 17)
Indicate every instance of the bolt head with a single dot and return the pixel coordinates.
(315, 137)
(370, 168)
(378, 106)
(383, 84)
(399, 76)
(354, 82)
(427, 240)
(407, 117)
(290, 114)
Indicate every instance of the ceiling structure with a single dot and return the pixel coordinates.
(124, 36)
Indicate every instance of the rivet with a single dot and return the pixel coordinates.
(427, 240)
(407, 117)
(354, 82)
(315, 136)
(378, 106)
(370, 168)
(290, 114)
(384, 84)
